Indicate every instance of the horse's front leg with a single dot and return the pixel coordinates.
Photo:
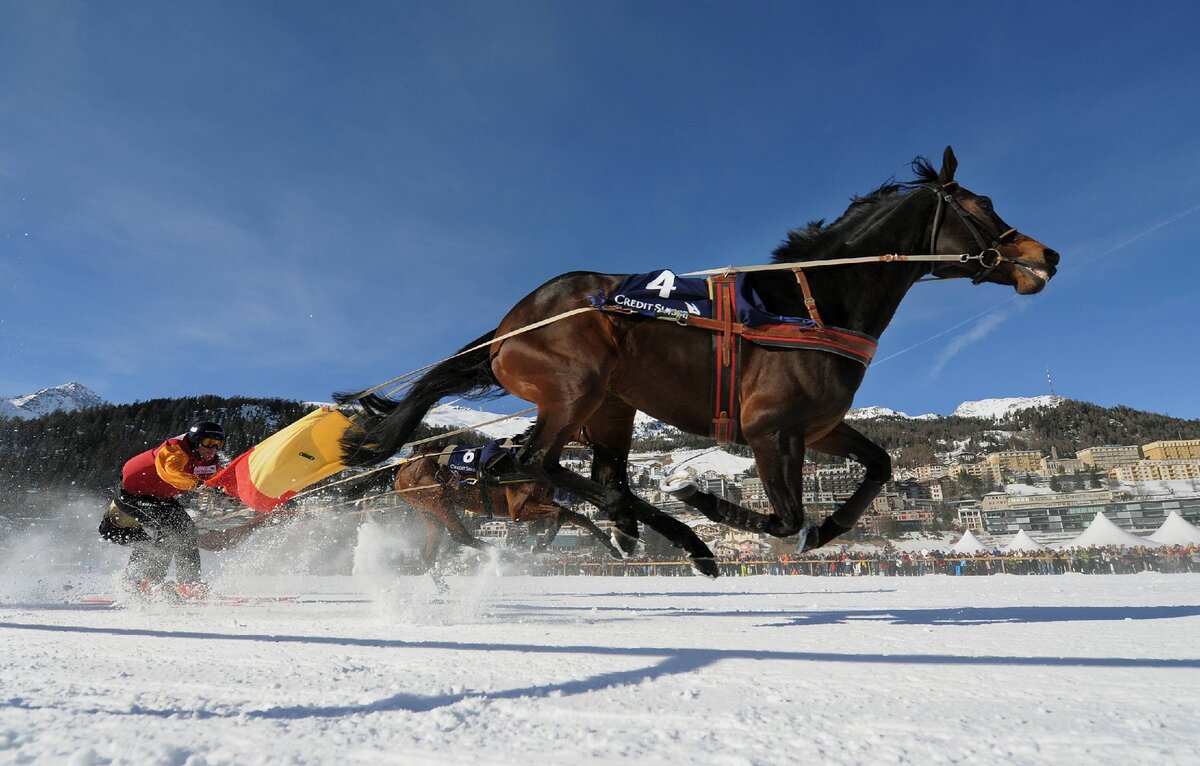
(547, 539)
(435, 532)
(609, 432)
(527, 504)
(779, 457)
(844, 441)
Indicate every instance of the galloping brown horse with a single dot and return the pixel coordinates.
(437, 493)
(593, 370)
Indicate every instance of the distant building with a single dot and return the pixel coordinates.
(913, 517)
(752, 487)
(1057, 466)
(1000, 500)
(1156, 470)
(493, 531)
(989, 474)
(929, 472)
(1137, 516)
(720, 486)
(1016, 461)
(970, 516)
(1109, 456)
(838, 480)
(1178, 449)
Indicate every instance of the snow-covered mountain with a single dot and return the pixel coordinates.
(697, 461)
(987, 409)
(74, 396)
(867, 413)
(646, 427)
(998, 409)
(69, 397)
(874, 411)
(454, 416)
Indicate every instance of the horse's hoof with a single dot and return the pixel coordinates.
(681, 485)
(807, 538)
(706, 567)
(624, 544)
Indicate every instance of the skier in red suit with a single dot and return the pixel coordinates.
(147, 515)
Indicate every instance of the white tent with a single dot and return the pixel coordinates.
(969, 543)
(1176, 530)
(1023, 542)
(1103, 532)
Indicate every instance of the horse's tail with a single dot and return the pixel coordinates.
(384, 426)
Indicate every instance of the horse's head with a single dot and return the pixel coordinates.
(965, 222)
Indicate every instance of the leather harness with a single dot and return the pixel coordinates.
(728, 335)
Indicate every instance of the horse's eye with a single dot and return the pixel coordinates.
(985, 203)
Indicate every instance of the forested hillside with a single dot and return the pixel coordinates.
(1069, 427)
(86, 449)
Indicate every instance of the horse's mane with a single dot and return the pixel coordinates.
(815, 236)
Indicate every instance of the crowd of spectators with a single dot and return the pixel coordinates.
(844, 562)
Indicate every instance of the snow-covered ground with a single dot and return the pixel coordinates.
(371, 667)
(697, 461)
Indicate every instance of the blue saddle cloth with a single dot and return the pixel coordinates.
(469, 460)
(663, 295)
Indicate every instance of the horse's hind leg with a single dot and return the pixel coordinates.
(547, 538)
(844, 441)
(565, 516)
(565, 370)
(609, 431)
(677, 533)
(435, 532)
(539, 459)
(558, 517)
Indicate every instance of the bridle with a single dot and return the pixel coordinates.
(989, 255)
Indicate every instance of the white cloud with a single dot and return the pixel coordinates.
(978, 332)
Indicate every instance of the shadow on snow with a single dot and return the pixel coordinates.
(669, 661)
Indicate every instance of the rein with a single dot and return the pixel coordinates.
(389, 466)
(485, 344)
(886, 258)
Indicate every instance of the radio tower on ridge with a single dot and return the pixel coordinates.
(1050, 380)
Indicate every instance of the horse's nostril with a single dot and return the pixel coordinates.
(1052, 257)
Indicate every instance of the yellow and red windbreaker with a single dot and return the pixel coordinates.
(273, 471)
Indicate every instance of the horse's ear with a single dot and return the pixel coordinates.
(949, 165)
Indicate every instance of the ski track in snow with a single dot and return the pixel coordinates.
(519, 670)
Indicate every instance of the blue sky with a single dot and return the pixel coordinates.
(288, 199)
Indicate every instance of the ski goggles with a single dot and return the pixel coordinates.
(212, 443)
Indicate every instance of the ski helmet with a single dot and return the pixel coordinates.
(206, 431)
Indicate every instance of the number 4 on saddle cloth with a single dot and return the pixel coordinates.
(663, 295)
(733, 311)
